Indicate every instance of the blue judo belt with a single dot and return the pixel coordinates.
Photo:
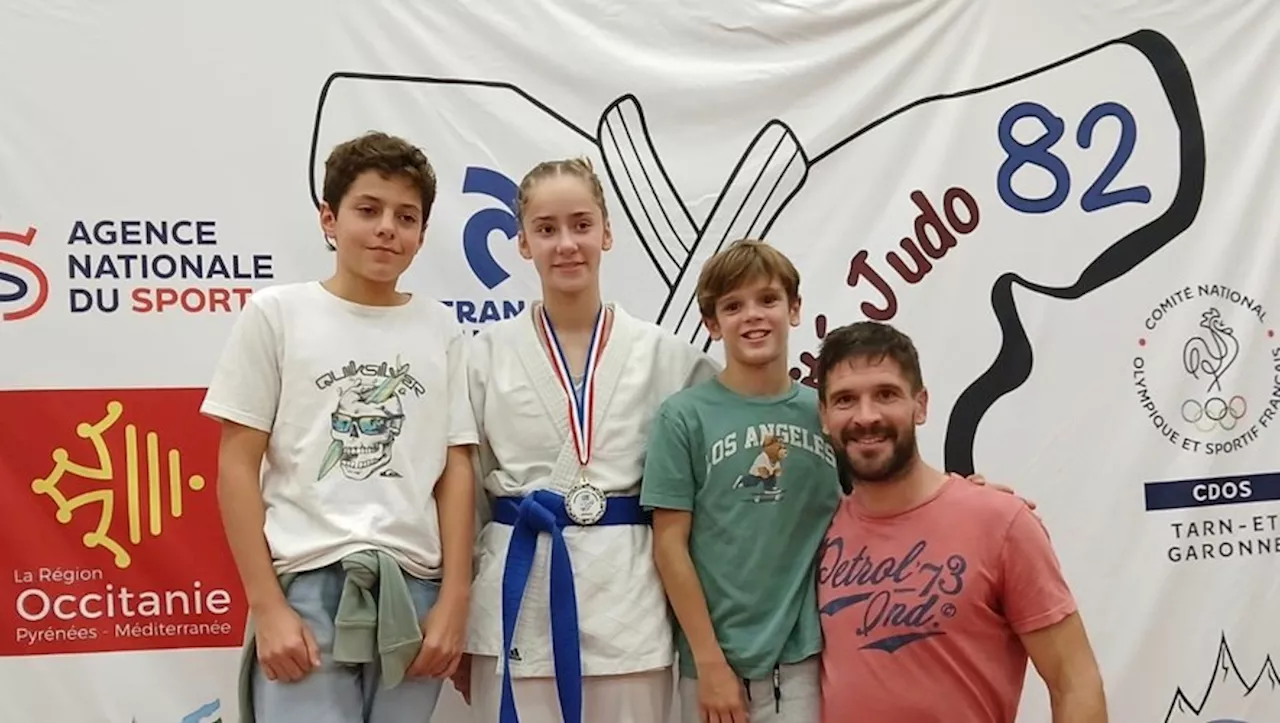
(541, 512)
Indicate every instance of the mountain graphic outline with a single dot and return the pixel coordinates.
(1224, 665)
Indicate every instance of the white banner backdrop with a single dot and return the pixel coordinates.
(1070, 206)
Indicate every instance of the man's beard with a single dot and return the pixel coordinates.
(887, 469)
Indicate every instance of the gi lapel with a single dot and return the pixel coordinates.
(616, 355)
(533, 356)
(538, 365)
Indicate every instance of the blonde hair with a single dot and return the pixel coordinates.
(580, 168)
(744, 261)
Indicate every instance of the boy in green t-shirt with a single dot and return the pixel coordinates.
(743, 483)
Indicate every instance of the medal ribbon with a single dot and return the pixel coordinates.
(581, 406)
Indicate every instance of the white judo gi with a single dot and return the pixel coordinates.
(526, 444)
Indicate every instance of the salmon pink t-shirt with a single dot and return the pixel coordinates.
(922, 610)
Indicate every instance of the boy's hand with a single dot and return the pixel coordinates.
(444, 629)
(720, 695)
(461, 678)
(980, 480)
(287, 650)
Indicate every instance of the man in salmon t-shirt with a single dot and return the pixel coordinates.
(934, 593)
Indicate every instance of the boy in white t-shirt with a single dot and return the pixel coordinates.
(345, 480)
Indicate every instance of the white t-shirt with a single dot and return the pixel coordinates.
(361, 404)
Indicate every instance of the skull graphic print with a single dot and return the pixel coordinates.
(365, 424)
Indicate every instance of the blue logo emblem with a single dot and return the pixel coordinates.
(207, 713)
(482, 224)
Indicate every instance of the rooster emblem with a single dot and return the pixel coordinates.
(1209, 356)
(1212, 354)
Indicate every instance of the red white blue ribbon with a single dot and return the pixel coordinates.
(581, 405)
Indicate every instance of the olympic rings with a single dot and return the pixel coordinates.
(1215, 412)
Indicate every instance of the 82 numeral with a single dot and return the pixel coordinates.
(1039, 153)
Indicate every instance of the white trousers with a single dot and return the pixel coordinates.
(633, 698)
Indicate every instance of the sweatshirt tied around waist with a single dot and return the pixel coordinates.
(385, 624)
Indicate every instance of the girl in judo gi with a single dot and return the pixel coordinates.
(568, 620)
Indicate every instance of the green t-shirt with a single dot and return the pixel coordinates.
(760, 478)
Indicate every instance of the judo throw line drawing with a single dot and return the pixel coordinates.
(774, 168)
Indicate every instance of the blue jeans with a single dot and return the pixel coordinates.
(340, 693)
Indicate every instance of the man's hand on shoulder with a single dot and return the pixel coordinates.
(982, 481)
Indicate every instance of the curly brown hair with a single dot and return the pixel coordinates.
(388, 155)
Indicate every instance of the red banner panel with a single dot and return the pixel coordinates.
(112, 538)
